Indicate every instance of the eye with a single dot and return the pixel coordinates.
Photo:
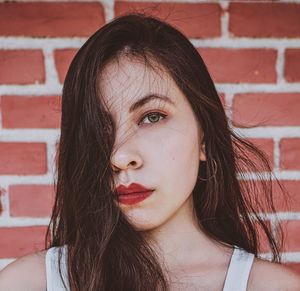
(153, 117)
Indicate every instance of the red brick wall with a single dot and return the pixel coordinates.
(251, 49)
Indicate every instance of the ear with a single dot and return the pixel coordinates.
(202, 153)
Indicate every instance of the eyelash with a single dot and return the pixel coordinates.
(152, 113)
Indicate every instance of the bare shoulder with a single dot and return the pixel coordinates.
(266, 275)
(25, 273)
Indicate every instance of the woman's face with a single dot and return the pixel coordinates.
(157, 144)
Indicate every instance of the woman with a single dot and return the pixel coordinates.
(147, 196)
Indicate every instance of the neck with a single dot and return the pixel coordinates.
(180, 242)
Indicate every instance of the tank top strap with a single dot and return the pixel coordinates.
(54, 281)
(239, 270)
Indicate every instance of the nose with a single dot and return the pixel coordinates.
(126, 157)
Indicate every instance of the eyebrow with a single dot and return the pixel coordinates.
(141, 102)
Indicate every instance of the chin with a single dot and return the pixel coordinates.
(142, 225)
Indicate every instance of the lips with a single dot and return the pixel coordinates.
(133, 194)
(132, 188)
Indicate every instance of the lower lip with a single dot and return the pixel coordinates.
(133, 198)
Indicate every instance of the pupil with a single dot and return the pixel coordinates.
(155, 117)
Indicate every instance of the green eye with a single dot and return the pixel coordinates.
(153, 117)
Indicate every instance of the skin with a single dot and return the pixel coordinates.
(146, 147)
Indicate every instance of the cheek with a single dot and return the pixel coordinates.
(185, 162)
(175, 161)
(181, 147)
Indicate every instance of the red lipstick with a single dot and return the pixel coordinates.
(133, 194)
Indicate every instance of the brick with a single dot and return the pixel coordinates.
(264, 144)
(195, 20)
(31, 200)
(294, 267)
(30, 112)
(266, 109)
(290, 154)
(263, 239)
(21, 158)
(289, 201)
(50, 19)
(240, 65)
(292, 238)
(63, 60)
(19, 241)
(21, 66)
(292, 65)
(264, 19)
(284, 201)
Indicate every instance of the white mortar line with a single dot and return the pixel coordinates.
(225, 19)
(6, 211)
(50, 69)
(291, 257)
(30, 135)
(246, 43)
(276, 154)
(287, 257)
(4, 201)
(280, 216)
(33, 90)
(51, 155)
(41, 43)
(23, 221)
(269, 132)
(283, 175)
(108, 6)
(223, 3)
(280, 66)
(258, 88)
(26, 180)
(228, 108)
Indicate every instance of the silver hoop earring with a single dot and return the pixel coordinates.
(215, 168)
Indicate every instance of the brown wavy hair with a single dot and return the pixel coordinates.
(105, 252)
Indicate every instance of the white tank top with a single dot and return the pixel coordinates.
(236, 277)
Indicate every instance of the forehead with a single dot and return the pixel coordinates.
(128, 79)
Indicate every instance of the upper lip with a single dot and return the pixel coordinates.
(132, 188)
